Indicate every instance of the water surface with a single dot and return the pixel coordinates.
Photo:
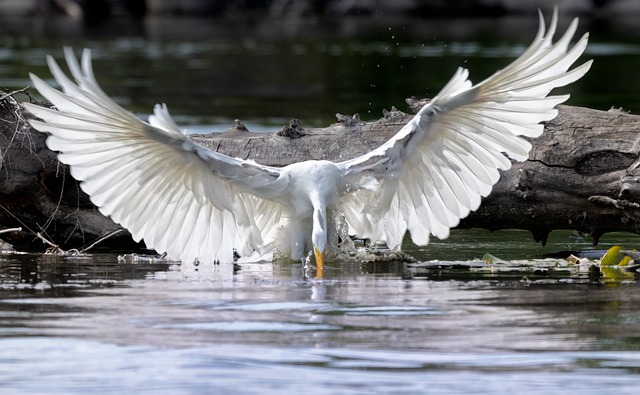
(96, 324)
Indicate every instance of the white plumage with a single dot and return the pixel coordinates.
(194, 203)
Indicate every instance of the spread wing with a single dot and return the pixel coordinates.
(181, 198)
(437, 168)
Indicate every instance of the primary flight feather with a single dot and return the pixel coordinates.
(195, 203)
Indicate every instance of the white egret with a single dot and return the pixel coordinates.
(195, 203)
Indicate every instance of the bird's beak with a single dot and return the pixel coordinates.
(319, 263)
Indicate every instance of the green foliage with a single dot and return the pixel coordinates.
(614, 257)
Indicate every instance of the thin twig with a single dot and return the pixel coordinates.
(46, 241)
(54, 249)
(115, 232)
(10, 94)
(10, 230)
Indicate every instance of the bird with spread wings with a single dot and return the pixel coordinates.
(195, 203)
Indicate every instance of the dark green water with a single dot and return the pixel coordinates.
(449, 324)
(210, 71)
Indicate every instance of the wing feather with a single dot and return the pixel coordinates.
(437, 168)
(181, 198)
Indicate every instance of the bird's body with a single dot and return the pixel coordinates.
(314, 194)
(195, 203)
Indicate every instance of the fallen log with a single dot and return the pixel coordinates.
(582, 174)
(37, 192)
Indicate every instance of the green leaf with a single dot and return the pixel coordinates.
(616, 274)
(614, 257)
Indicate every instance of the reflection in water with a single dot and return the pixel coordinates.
(426, 312)
(268, 322)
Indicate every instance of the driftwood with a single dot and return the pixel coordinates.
(37, 192)
(582, 174)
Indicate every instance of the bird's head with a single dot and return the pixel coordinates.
(319, 240)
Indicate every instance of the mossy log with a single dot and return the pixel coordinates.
(582, 174)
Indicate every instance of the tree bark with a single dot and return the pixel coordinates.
(38, 193)
(582, 174)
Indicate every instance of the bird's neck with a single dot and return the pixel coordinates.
(319, 232)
